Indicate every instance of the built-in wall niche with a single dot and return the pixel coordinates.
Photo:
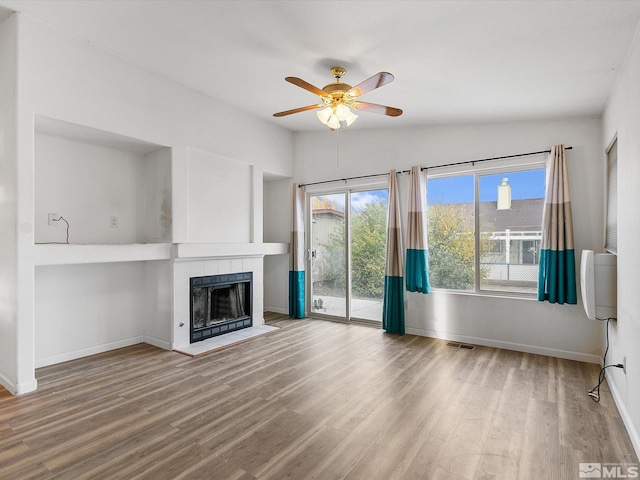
(277, 199)
(111, 189)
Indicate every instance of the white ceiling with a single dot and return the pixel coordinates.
(453, 61)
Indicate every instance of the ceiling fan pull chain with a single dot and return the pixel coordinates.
(338, 149)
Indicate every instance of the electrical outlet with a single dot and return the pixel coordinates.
(113, 222)
(53, 219)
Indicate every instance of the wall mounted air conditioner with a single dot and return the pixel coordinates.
(598, 281)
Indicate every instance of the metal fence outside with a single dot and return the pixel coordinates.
(510, 272)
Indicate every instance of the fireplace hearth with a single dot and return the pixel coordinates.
(220, 304)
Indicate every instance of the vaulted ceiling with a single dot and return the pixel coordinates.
(453, 61)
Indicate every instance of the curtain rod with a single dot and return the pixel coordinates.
(434, 166)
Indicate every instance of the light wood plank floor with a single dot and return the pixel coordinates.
(314, 399)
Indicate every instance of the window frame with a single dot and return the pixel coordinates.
(500, 167)
(608, 194)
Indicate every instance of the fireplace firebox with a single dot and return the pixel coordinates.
(220, 304)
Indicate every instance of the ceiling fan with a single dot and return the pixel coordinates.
(337, 99)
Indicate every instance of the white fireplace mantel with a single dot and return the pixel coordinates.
(208, 250)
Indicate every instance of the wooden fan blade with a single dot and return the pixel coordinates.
(375, 108)
(306, 85)
(297, 110)
(371, 83)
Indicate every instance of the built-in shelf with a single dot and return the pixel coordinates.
(108, 188)
(205, 250)
(81, 254)
(53, 254)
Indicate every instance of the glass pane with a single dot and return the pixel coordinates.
(511, 205)
(451, 230)
(368, 243)
(328, 273)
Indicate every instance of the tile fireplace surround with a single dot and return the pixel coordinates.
(184, 269)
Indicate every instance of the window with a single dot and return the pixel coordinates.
(451, 232)
(495, 246)
(611, 242)
(485, 230)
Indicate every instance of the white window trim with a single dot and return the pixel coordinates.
(607, 247)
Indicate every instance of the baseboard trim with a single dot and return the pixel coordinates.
(519, 347)
(624, 414)
(156, 342)
(283, 311)
(85, 352)
(18, 388)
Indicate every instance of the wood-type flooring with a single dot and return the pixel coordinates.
(312, 400)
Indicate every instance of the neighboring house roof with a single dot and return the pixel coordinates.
(327, 211)
(523, 215)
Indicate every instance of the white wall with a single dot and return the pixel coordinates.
(69, 79)
(622, 117)
(86, 309)
(277, 203)
(154, 211)
(220, 192)
(526, 325)
(277, 228)
(8, 200)
(156, 304)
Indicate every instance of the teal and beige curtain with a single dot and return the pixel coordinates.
(557, 269)
(393, 296)
(417, 272)
(296, 255)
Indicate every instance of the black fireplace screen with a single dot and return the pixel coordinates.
(220, 304)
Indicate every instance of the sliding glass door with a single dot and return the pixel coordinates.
(347, 254)
(328, 255)
(368, 240)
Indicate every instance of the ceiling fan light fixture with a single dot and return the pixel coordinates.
(352, 117)
(337, 99)
(324, 114)
(342, 112)
(332, 116)
(333, 122)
